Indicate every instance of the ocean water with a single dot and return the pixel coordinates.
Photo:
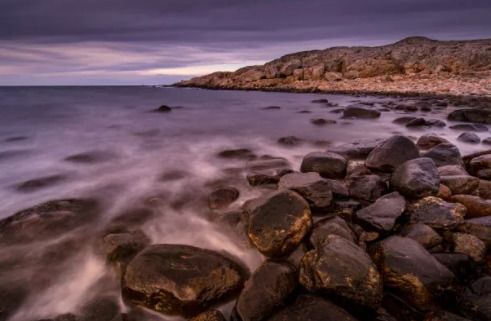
(164, 160)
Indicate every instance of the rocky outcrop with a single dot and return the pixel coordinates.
(415, 64)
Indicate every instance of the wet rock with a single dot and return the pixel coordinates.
(382, 214)
(436, 212)
(480, 227)
(391, 153)
(210, 315)
(180, 279)
(266, 291)
(163, 109)
(331, 226)
(367, 187)
(278, 222)
(444, 154)
(461, 265)
(289, 141)
(310, 186)
(361, 113)
(469, 137)
(47, 220)
(327, 164)
(121, 247)
(416, 178)
(422, 122)
(470, 127)
(322, 121)
(311, 308)
(342, 268)
(481, 166)
(428, 141)
(337, 187)
(482, 116)
(452, 170)
(469, 245)
(222, 197)
(241, 153)
(476, 206)
(484, 189)
(460, 184)
(90, 157)
(35, 184)
(357, 150)
(444, 192)
(477, 299)
(423, 234)
(267, 171)
(410, 271)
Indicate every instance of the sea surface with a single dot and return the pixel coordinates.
(129, 156)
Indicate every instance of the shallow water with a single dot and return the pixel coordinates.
(135, 148)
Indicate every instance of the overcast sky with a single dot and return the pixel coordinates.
(91, 42)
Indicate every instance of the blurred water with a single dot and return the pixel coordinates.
(41, 126)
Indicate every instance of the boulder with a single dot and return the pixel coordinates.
(469, 245)
(416, 178)
(423, 122)
(311, 308)
(327, 164)
(180, 279)
(484, 189)
(356, 150)
(222, 197)
(480, 166)
(210, 315)
(342, 268)
(428, 141)
(360, 113)
(480, 227)
(444, 154)
(470, 127)
(266, 291)
(469, 137)
(367, 187)
(310, 186)
(482, 116)
(461, 265)
(266, 171)
(391, 153)
(436, 212)
(47, 220)
(460, 184)
(423, 234)
(278, 222)
(476, 206)
(410, 271)
(330, 226)
(35, 184)
(382, 214)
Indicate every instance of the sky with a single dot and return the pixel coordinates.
(136, 42)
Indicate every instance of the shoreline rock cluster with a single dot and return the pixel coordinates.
(412, 65)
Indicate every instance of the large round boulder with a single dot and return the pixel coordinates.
(391, 153)
(180, 279)
(315, 189)
(382, 214)
(266, 291)
(327, 164)
(416, 178)
(340, 267)
(278, 222)
(436, 213)
(311, 308)
(410, 271)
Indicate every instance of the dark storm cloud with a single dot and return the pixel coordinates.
(81, 36)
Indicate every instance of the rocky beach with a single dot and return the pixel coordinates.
(245, 206)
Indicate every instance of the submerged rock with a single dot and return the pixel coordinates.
(470, 138)
(121, 247)
(266, 291)
(359, 112)
(35, 184)
(163, 109)
(482, 116)
(241, 153)
(327, 164)
(391, 153)
(342, 268)
(278, 222)
(416, 178)
(180, 279)
(409, 270)
(289, 141)
(222, 197)
(267, 171)
(470, 127)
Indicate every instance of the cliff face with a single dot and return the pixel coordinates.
(416, 64)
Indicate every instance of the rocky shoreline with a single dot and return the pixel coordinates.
(412, 66)
(395, 229)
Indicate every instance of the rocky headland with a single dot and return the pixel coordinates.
(416, 66)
